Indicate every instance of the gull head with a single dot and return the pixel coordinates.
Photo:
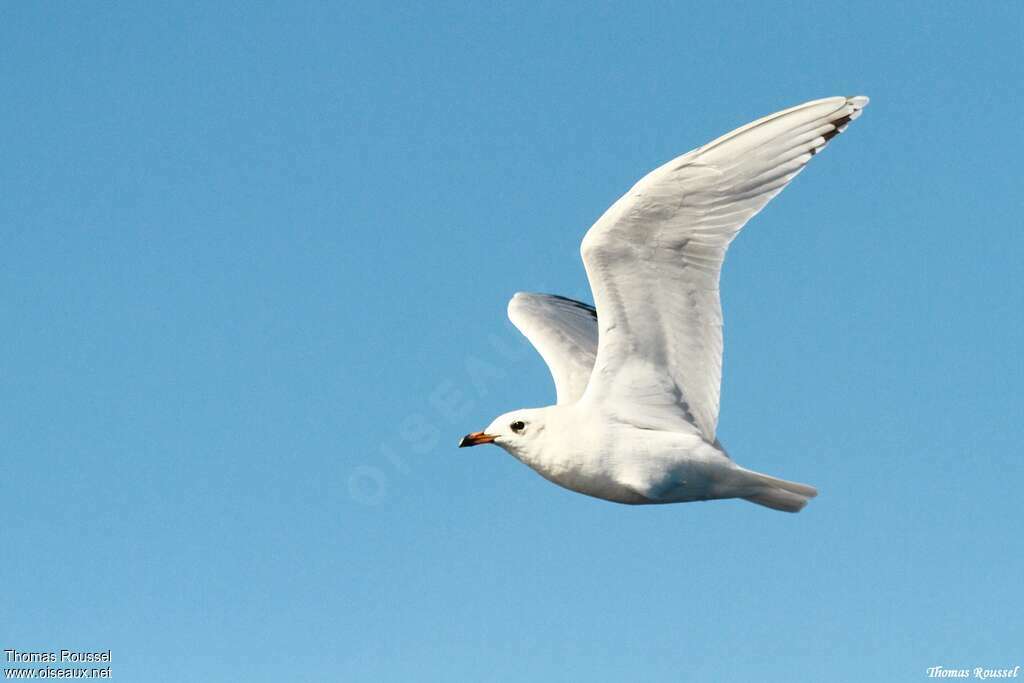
(520, 432)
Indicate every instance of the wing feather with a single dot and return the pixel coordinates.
(655, 257)
(564, 332)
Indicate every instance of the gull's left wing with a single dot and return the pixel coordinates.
(564, 332)
(654, 258)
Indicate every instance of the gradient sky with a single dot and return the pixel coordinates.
(254, 262)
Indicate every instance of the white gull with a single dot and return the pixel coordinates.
(637, 380)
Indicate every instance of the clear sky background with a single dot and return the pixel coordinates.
(254, 262)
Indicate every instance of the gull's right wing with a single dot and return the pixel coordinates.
(564, 332)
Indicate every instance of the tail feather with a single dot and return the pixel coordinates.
(778, 494)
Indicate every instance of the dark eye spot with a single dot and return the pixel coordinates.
(518, 426)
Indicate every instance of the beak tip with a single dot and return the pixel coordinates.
(464, 441)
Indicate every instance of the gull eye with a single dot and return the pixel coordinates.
(518, 426)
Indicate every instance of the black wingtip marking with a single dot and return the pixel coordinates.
(577, 304)
(838, 123)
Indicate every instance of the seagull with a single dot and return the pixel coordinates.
(637, 378)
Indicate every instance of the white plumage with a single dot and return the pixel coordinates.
(564, 332)
(638, 379)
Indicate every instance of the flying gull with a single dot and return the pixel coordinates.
(637, 379)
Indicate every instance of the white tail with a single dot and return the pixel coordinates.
(778, 494)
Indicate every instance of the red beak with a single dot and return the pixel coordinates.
(475, 439)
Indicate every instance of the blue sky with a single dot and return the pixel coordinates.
(255, 263)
